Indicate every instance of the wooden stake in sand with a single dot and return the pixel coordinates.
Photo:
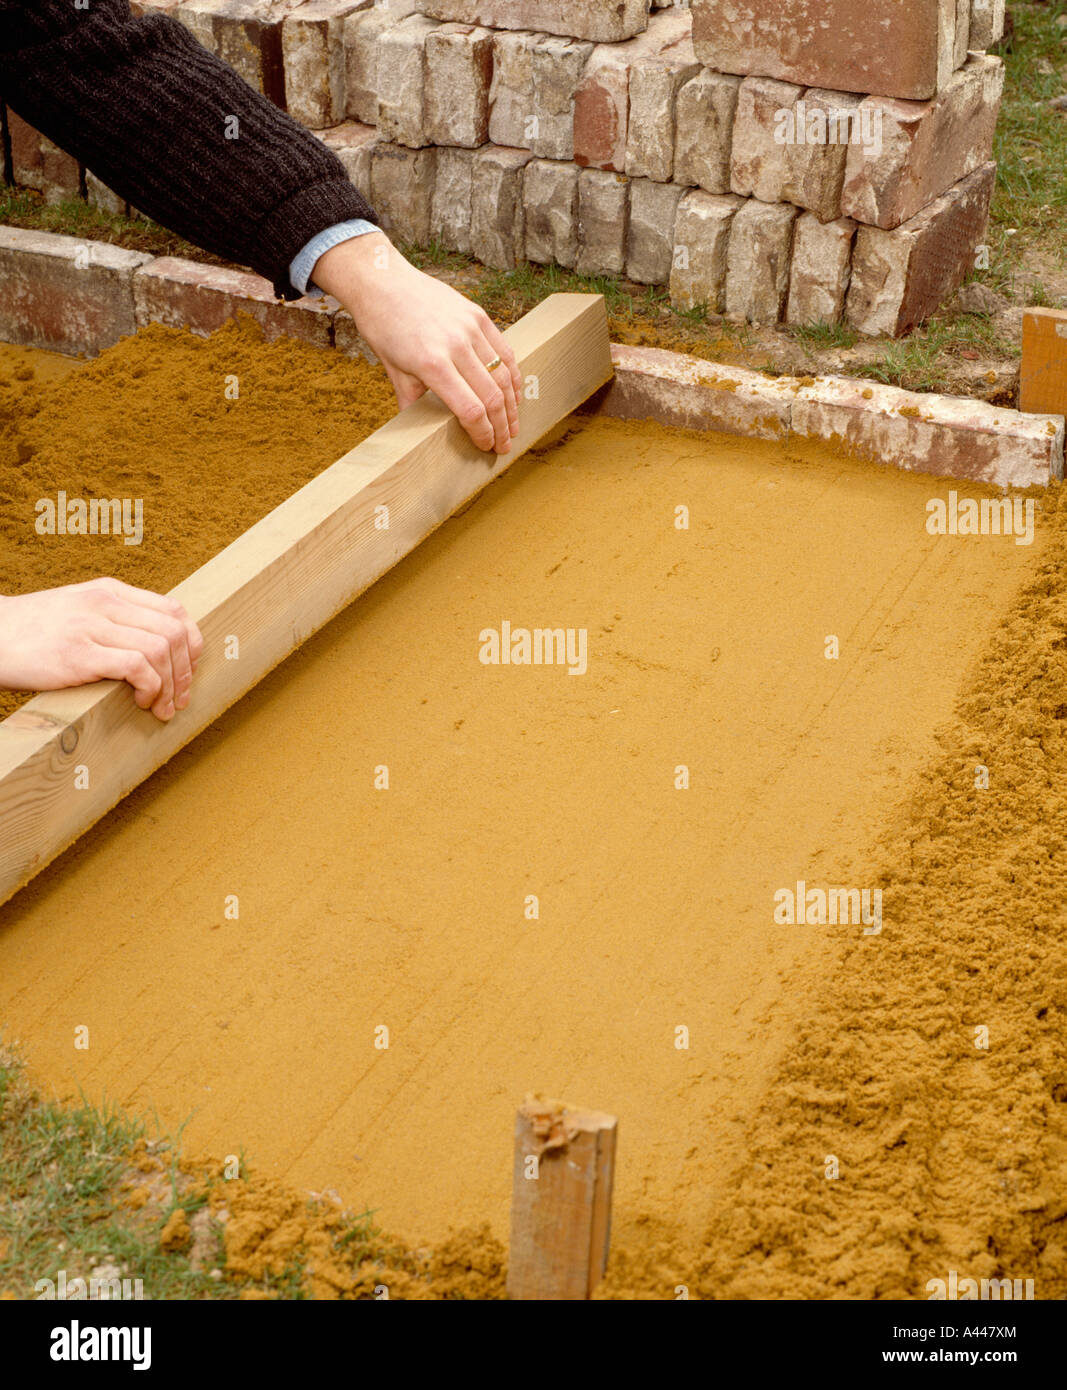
(1043, 372)
(68, 756)
(561, 1200)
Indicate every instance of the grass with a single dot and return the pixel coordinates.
(825, 335)
(1030, 146)
(61, 1168)
(83, 1188)
(74, 217)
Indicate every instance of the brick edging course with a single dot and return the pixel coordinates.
(67, 295)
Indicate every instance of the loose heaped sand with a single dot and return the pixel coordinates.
(407, 909)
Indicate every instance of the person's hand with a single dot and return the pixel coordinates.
(427, 335)
(101, 630)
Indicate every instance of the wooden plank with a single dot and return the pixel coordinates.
(561, 1200)
(1043, 372)
(277, 584)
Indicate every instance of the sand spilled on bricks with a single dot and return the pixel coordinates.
(409, 908)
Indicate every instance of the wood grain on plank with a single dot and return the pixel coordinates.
(564, 1172)
(1043, 371)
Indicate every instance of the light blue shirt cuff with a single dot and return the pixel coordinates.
(303, 263)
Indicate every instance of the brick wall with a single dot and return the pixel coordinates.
(743, 152)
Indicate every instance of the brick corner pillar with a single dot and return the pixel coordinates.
(900, 277)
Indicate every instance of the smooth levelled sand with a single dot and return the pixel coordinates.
(405, 908)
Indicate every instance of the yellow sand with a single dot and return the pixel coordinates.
(405, 908)
(208, 434)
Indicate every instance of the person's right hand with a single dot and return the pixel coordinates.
(428, 336)
(101, 630)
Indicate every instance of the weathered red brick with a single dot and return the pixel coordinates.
(602, 100)
(64, 294)
(884, 47)
(60, 172)
(27, 158)
(951, 436)
(188, 294)
(577, 19)
(925, 147)
(900, 277)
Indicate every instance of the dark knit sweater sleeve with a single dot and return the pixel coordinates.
(174, 130)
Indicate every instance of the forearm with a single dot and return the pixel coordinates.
(173, 129)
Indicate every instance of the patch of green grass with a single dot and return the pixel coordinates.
(508, 294)
(1039, 296)
(433, 255)
(824, 336)
(918, 362)
(695, 314)
(60, 1167)
(1030, 146)
(82, 1187)
(77, 218)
